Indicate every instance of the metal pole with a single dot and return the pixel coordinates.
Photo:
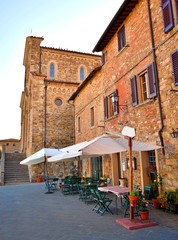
(44, 143)
(130, 175)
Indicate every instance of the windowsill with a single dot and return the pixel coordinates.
(110, 118)
(126, 46)
(145, 102)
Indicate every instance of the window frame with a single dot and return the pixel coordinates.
(82, 73)
(92, 117)
(111, 108)
(104, 57)
(79, 124)
(138, 94)
(121, 38)
(52, 70)
(167, 12)
(152, 164)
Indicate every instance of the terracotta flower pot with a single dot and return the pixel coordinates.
(156, 203)
(38, 179)
(133, 200)
(144, 215)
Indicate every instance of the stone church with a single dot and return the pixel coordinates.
(51, 76)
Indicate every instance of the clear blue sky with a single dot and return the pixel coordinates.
(70, 24)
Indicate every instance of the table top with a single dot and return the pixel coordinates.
(117, 190)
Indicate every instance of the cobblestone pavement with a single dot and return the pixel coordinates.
(27, 213)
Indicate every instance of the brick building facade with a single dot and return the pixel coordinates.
(51, 76)
(140, 67)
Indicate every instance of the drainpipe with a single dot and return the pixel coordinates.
(44, 137)
(45, 105)
(40, 61)
(157, 78)
(71, 102)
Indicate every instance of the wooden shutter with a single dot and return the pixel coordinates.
(133, 82)
(151, 80)
(116, 105)
(174, 58)
(177, 9)
(167, 15)
(106, 107)
(103, 59)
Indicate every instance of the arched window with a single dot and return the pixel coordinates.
(82, 73)
(51, 70)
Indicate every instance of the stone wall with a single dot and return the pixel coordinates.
(44, 123)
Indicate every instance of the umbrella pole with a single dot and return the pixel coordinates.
(130, 175)
(47, 177)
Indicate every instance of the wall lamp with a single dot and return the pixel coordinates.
(115, 100)
(174, 134)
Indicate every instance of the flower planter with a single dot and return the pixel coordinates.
(133, 200)
(122, 182)
(156, 203)
(38, 179)
(144, 215)
(174, 208)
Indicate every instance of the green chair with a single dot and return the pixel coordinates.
(102, 203)
(148, 192)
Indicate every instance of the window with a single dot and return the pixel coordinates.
(58, 102)
(104, 57)
(143, 87)
(111, 105)
(121, 38)
(174, 58)
(79, 125)
(152, 165)
(92, 116)
(51, 71)
(167, 15)
(82, 73)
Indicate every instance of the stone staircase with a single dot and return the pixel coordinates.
(14, 172)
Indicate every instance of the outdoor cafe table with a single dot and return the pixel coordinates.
(118, 191)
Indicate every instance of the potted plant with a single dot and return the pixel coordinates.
(169, 200)
(38, 179)
(155, 184)
(143, 209)
(134, 197)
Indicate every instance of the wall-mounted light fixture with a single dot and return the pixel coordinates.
(174, 134)
(114, 97)
(124, 164)
(115, 100)
(134, 163)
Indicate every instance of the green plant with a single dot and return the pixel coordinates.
(134, 192)
(143, 205)
(168, 198)
(157, 179)
(172, 197)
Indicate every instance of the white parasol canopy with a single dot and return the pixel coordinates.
(71, 152)
(108, 144)
(39, 156)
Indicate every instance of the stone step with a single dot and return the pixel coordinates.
(14, 172)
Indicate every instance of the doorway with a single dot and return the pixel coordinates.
(96, 167)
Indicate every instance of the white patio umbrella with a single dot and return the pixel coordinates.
(39, 156)
(101, 145)
(108, 144)
(70, 152)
